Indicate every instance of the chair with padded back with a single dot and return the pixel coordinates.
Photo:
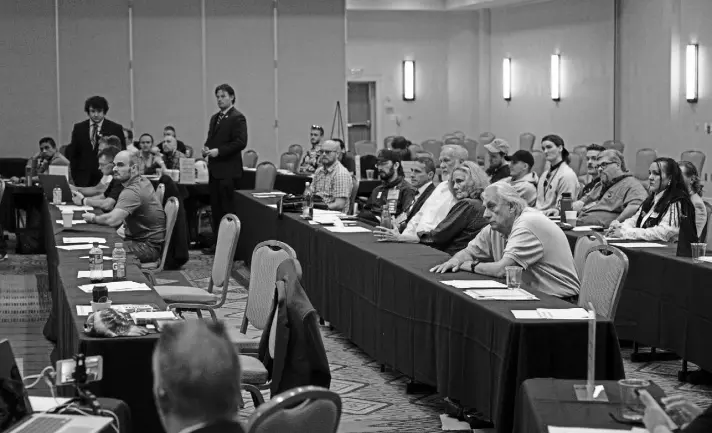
(160, 192)
(309, 408)
(539, 162)
(354, 193)
(696, 157)
(365, 147)
(453, 140)
(604, 274)
(432, 146)
(266, 258)
(413, 149)
(708, 228)
(471, 146)
(583, 244)
(297, 149)
(195, 299)
(265, 176)
(575, 163)
(614, 144)
(249, 159)
(643, 159)
(580, 150)
(526, 141)
(289, 158)
(151, 269)
(459, 134)
(485, 139)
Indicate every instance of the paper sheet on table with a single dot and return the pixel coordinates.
(73, 222)
(639, 244)
(43, 404)
(475, 284)
(553, 429)
(80, 247)
(74, 208)
(150, 315)
(116, 286)
(611, 238)
(323, 212)
(83, 240)
(85, 310)
(268, 194)
(501, 295)
(707, 259)
(350, 229)
(105, 258)
(552, 313)
(585, 228)
(453, 424)
(107, 273)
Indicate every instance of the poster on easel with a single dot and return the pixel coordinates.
(590, 391)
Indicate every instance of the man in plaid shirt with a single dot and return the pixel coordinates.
(332, 181)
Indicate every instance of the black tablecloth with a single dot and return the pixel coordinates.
(382, 297)
(665, 302)
(552, 402)
(18, 197)
(127, 360)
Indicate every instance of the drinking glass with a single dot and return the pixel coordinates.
(698, 250)
(514, 277)
(369, 174)
(631, 406)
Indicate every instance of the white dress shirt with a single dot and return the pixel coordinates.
(434, 210)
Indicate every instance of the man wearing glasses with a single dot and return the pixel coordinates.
(310, 161)
(332, 181)
(620, 194)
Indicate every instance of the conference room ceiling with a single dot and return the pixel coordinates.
(432, 5)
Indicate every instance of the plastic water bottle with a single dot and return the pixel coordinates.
(386, 218)
(308, 204)
(119, 261)
(57, 195)
(96, 264)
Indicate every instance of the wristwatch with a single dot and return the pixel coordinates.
(473, 265)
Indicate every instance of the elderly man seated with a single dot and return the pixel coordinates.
(519, 236)
(105, 194)
(394, 190)
(137, 207)
(196, 379)
(618, 197)
(332, 181)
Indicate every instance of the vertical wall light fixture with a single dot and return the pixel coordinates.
(409, 80)
(507, 79)
(691, 71)
(555, 77)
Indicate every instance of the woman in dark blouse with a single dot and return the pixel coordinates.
(466, 218)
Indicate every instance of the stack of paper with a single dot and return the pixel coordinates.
(85, 310)
(553, 429)
(73, 208)
(639, 245)
(552, 313)
(268, 194)
(79, 247)
(83, 240)
(707, 259)
(585, 228)
(350, 229)
(145, 316)
(107, 273)
(475, 284)
(117, 286)
(501, 295)
(73, 222)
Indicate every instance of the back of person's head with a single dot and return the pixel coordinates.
(400, 143)
(458, 152)
(113, 140)
(595, 147)
(196, 373)
(342, 145)
(689, 168)
(109, 153)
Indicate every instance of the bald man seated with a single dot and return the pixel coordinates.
(137, 208)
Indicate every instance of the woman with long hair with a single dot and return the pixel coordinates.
(694, 187)
(558, 179)
(667, 210)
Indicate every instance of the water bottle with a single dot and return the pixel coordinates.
(118, 256)
(57, 195)
(386, 218)
(28, 173)
(566, 204)
(96, 264)
(308, 204)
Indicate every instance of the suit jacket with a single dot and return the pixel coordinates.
(299, 354)
(230, 138)
(83, 156)
(419, 200)
(222, 426)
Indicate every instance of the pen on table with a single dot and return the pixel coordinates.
(597, 390)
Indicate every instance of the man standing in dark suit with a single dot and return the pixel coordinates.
(83, 150)
(421, 178)
(227, 137)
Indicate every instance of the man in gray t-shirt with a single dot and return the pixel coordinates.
(137, 207)
(523, 237)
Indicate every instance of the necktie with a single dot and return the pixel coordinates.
(220, 117)
(94, 133)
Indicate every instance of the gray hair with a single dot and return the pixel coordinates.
(616, 156)
(199, 371)
(477, 179)
(506, 193)
(459, 152)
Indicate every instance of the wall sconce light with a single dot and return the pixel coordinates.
(555, 79)
(691, 66)
(507, 79)
(409, 80)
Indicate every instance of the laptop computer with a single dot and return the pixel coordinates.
(50, 181)
(20, 417)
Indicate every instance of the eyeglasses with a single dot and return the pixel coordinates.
(604, 164)
(326, 152)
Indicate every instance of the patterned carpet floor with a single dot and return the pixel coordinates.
(372, 401)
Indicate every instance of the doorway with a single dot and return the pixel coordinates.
(361, 111)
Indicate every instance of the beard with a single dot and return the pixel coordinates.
(386, 175)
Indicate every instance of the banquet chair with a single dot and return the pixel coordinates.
(708, 228)
(354, 193)
(432, 146)
(471, 146)
(308, 408)
(452, 140)
(526, 141)
(459, 134)
(152, 268)
(289, 158)
(365, 147)
(485, 139)
(195, 299)
(614, 144)
(413, 149)
(266, 258)
(643, 159)
(265, 176)
(603, 278)
(539, 162)
(696, 157)
(297, 149)
(160, 192)
(249, 159)
(575, 162)
(583, 245)
(580, 150)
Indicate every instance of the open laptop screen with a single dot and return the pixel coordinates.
(14, 402)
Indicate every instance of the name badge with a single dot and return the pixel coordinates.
(379, 195)
(399, 220)
(393, 194)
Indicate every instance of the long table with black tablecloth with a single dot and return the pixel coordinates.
(127, 360)
(552, 402)
(383, 298)
(665, 302)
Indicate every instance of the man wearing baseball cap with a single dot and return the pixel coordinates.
(522, 178)
(498, 156)
(394, 192)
